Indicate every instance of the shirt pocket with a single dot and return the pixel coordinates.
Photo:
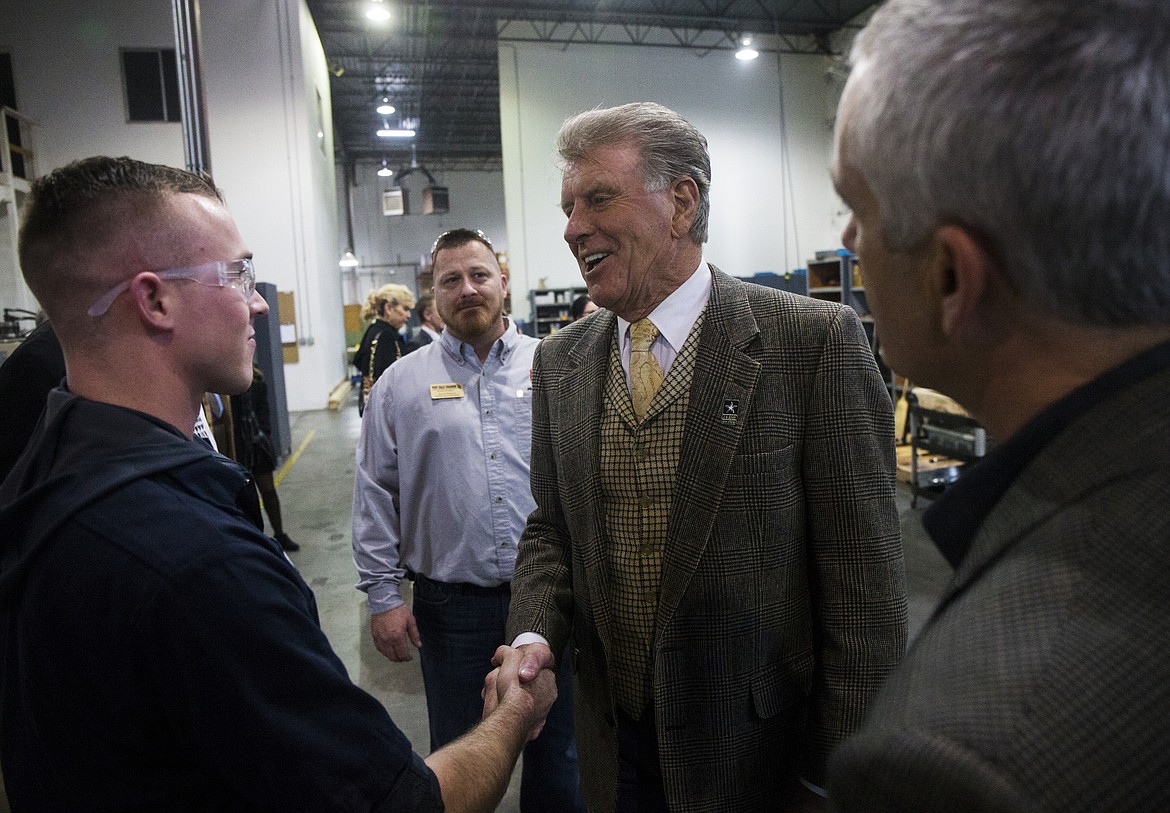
(521, 420)
(761, 481)
(746, 465)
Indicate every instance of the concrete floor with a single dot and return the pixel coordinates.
(316, 491)
(316, 494)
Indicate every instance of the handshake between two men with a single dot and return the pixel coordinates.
(526, 669)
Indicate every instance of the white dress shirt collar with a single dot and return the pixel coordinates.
(676, 315)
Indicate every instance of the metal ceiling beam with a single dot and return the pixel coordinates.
(464, 18)
(437, 59)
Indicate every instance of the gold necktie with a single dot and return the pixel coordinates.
(645, 372)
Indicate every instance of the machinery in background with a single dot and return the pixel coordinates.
(16, 324)
(944, 439)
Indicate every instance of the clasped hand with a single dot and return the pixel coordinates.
(526, 669)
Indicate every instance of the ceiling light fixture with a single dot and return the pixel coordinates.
(385, 171)
(387, 132)
(377, 11)
(348, 260)
(746, 51)
(385, 108)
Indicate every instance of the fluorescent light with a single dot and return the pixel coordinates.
(388, 133)
(348, 260)
(746, 51)
(378, 11)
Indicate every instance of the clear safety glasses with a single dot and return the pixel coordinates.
(238, 274)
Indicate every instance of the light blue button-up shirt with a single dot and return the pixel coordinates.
(441, 486)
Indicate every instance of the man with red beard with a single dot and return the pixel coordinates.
(441, 496)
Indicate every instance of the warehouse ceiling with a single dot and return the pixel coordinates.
(436, 61)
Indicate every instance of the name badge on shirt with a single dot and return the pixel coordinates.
(440, 392)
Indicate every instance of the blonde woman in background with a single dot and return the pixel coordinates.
(387, 309)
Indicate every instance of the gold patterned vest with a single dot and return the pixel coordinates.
(639, 463)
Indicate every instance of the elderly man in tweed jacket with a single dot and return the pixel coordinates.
(721, 546)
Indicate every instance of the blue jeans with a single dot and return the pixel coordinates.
(461, 626)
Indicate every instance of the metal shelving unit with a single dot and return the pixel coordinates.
(550, 309)
(836, 277)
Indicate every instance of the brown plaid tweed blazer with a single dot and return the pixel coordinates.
(782, 604)
(1042, 683)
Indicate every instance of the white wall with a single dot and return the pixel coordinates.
(392, 248)
(767, 213)
(68, 75)
(263, 67)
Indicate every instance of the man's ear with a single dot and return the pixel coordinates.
(685, 197)
(154, 301)
(966, 278)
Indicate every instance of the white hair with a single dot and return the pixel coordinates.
(1042, 126)
(670, 146)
